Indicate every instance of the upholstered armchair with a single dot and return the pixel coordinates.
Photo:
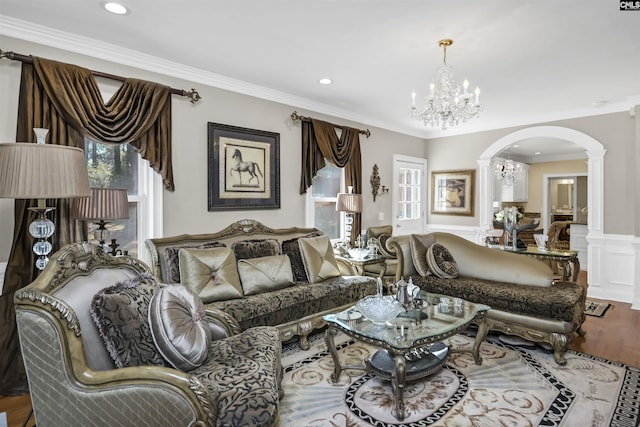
(74, 380)
(386, 270)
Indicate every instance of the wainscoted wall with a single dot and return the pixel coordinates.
(612, 273)
(613, 260)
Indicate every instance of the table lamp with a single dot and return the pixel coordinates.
(349, 203)
(104, 204)
(42, 171)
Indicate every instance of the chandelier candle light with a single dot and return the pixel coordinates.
(446, 105)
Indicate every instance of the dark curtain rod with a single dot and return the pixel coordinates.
(193, 94)
(297, 117)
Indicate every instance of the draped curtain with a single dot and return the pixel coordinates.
(66, 100)
(319, 142)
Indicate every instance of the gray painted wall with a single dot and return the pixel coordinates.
(185, 210)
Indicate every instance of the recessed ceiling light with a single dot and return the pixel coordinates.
(116, 8)
(537, 153)
(325, 81)
(516, 145)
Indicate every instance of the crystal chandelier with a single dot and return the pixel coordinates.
(508, 171)
(448, 102)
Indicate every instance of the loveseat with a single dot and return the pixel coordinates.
(524, 297)
(269, 277)
(104, 343)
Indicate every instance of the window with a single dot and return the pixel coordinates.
(120, 166)
(321, 201)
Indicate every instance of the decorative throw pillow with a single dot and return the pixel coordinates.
(257, 248)
(382, 248)
(211, 273)
(419, 243)
(441, 262)
(179, 327)
(377, 231)
(318, 258)
(120, 313)
(172, 262)
(265, 274)
(292, 249)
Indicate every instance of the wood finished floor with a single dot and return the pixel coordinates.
(610, 337)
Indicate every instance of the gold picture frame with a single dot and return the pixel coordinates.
(452, 192)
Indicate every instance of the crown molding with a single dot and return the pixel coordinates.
(47, 36)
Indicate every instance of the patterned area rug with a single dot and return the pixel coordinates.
(595, 308)
(514, 386)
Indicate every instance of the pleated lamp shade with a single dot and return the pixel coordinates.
(42, 171)
(349, 202)
(103, 204)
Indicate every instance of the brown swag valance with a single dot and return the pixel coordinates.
(319, 142)
(66, 100)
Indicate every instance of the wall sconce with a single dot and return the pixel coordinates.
(376, 188)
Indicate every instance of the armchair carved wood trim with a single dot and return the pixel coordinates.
(72, 379)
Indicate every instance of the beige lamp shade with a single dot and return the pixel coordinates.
(42, 171)
(103, 204)
(349, 202)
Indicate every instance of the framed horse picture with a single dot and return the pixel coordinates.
(243, 168)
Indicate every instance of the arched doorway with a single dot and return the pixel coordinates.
(595, 168)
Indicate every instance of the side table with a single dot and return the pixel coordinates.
(568, 259)
(359, 263)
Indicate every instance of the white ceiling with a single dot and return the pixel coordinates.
(534, 61)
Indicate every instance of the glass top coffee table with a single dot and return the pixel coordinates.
(409, 345)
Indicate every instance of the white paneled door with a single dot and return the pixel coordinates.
(409, 194)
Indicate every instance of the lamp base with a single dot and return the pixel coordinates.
(42, 228)
(114, 248)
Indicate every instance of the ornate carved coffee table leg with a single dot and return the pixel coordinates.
(481, 334)
(331, 345)
(398, 382)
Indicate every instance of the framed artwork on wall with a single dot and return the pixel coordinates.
(243, 168)
(452, 192)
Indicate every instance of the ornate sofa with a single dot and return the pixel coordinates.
(295, 307)
(73, 375)
(524, 298)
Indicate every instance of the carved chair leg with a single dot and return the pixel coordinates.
(559, 343)
(280, 375)
(303, 341)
